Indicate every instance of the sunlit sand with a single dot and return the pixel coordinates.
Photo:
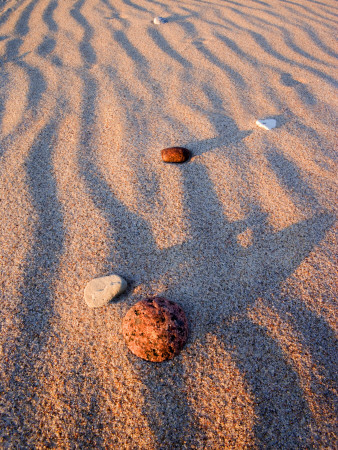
(242, 235)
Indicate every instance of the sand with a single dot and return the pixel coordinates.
(242, 236)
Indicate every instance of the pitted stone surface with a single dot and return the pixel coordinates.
(155, 329)
(100, 291)
(175, 154)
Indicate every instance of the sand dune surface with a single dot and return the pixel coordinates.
(242, 236)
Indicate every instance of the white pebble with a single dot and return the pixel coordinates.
(267, 124)
(100, 291)
(159, 20)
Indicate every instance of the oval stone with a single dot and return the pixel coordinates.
(100, 291)
(175, 154)
(155, 329)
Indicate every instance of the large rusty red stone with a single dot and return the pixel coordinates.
(175, 154)
(155, 329)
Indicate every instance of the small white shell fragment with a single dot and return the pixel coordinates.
(100, 291)
(159, 20)
(267, 124)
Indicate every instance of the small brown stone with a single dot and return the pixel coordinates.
(155, 329)
(175, 154)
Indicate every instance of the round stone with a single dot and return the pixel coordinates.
(175, 154)
(155, 329)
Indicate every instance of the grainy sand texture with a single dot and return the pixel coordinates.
(242, 236)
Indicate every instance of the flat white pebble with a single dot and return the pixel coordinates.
(267, 124)
(159, 20)
(100, 291)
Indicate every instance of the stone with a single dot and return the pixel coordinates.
(158, 20)
(175, 154)
(100, 291)
(267, 124)
(155, 329)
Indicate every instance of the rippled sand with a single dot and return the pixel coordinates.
(242, 236)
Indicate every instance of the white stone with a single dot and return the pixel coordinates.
(267, 124)
(159, 20)
(101, 291)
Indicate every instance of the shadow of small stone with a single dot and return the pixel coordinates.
(206, 145)
(278, 396)
(181, 20)
(131, 284)
(166, 406)
(281, 120)
(166, 403)
(246, 273)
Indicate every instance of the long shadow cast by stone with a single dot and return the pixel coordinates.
(129, 232)
(86, 417)
(245, 273)
(278, 397)
(166, 407)
(36, 307)
(226, 129)
(249, 273)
